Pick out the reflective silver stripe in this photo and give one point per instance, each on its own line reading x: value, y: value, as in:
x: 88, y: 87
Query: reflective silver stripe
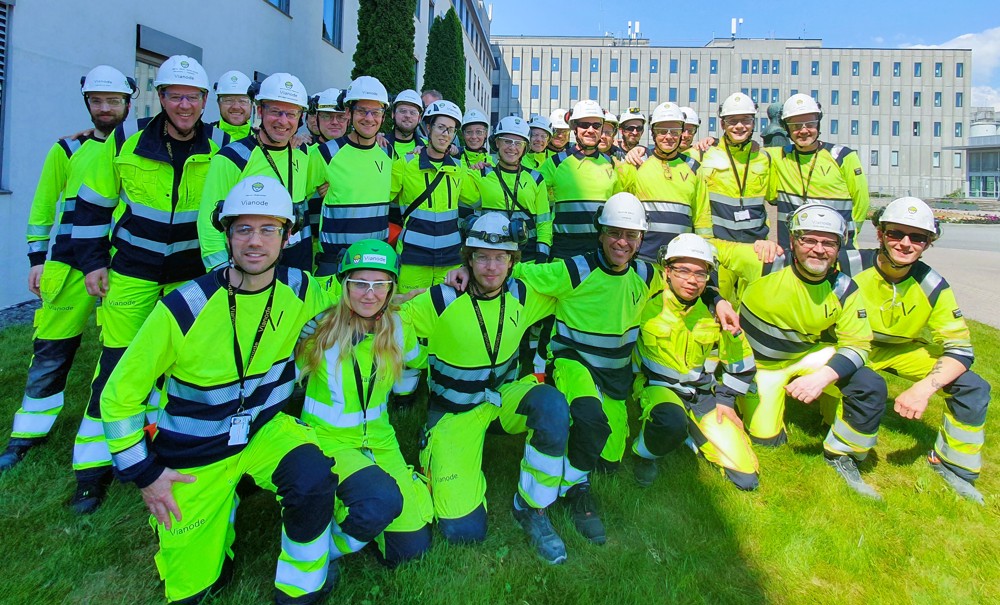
x: 219, y: 136
x: 90, y: 428
x: 213, y: 428
x: 343, y: 543
x: 889, y: 339
x: 42, y: 404
x: 313, y: 551
x: 544, y: 249
x: 65, y: 229
x: 91, y: 452
x: 33, y: 424
x: 662, y: 370
x: 581, y: 267
x: 737, y: 225
x: 854, y: 263
x: 92, y: 232
x: 156, y: 247
x: 457, y: 398
x: 448, y: 295
x: 744, y: 365
x: 349, y: 238
x: 856, y: 357
x: 39, y: 246
x: 960, y: 351
x: 376, y: 210
x: 841, y: 287
x: 668, y: 228
x: 563, y: 207
x: 194, y: 296
x: 336, y: 417
x: 434, y: 217
x: 774, y: 331
x: 240, y: 149
x: 973, y: 462
x: 39, y: 230
x: 215, y: 259
x: 224, y: 394
x: 118, y: 429
x: 429, y: 242
x: 567, y: 229
x: 307, y: 581
x: 640, y: 446
x: 973, y: 437
x: 594, y: 361
x: 163, y: 216
x: 67, y: 205
x: 73, y: 145
x: 735, y: 201
x: 92, y: 197
x: 571, y: 476
x: 131, y: 456
x: 735, y: 383
x: 930, y: 282
x: 672, y: 207
x: 857, y: 441
x: 601, y: 341
x: 544, y: 217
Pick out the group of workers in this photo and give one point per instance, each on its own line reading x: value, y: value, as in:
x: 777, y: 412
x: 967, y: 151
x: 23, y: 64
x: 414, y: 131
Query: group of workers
x: 535, y: 284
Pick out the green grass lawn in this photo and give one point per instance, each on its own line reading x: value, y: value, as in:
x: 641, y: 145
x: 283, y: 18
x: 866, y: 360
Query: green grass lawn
x: 803, y: 537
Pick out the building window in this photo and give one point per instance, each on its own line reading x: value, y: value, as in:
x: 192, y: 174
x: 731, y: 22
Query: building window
x: 653, y: 94
x: 281, y: 5
x: 764, y: 96
x: 555, y: 63
x: 855, y: 97
x: 515, y: 91
x: 876, y: 68
x: 692, y: 95
x: 916, y: 129
x: 895, y: 128
x: 694, y: 66
x: 574, y: 64
x: 795, y: 68
x: 876, y: 98
x: 633, y: 94
x: 897, y: 69
x: 430, y: 15
x: 416, y: 11
x: 793, y: 92
x: 593, y: 93
x: 333, y: 22
x: 536, y: 64
x: 854, y: 127
x: 916, y: 99
x: 875, y: 128
x: 938, y: 70
x: 856, y: 68
x: 835, y: 68
x: 763, y: 124
x: 614, y: 66
x: 495, y: 92
x: 937, y: 99
x: 958, y: 129
x: 960, y: 70
x: 745, y: 66
x: 713, y: 95
x: 894, y: 158
x: 918, y: 69
x: 873, y: 158
x: 633, y: 66
x: 754, y: 66
x: 712, y: 124
x: 554, y: 92
x: 515, y: 64
x: 534, y: 91
x: 812, y: 93
x: 713, y: 66
x: 654, y: 66
x: 895, y: 98
x: 834, y: 126
x: 574, y: 93
x: 936, y: 159
x: 957, y: 159
x: 937, y: 129
x: 959, y: 99
x: 814, y: 70
x: 612, y: 92
x: 672, y: 94
x: 774, y: 95
x: 673, y: 66
x: 753, y: 94
x: 775, y: 64
x: 765, y: 67
x: 595, y: 65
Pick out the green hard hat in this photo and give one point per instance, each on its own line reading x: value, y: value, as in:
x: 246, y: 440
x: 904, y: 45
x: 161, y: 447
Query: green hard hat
x: 369, y: 254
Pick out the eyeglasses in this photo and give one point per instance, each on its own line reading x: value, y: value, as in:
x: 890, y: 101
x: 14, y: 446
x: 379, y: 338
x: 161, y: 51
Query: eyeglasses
x: 363, y: 286
x: 245, y: 232
x: 895, y: 235
x: 484, y: 260
x: 691, y: 129
x: 812, y: 242
x: 230, y: 101
x: 734, y: 121
x: 632, y: 128
x: 112, y: 102
x: 589, y: 125
x: 274, y: 112
x: 442, y: 129
x: 626, y: 234
x: 176, y: 99
x: 474, y: 132
x: 608, y: 130
x: 368, y: 113
x: 801, y: 125
x: 328, y: 116
x: 686, y: 274
x: 507, y: 142
x: 659, y: 132
x: 408, y: 112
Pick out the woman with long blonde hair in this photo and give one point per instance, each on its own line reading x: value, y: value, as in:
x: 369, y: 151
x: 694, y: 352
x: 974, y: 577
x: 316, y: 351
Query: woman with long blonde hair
x: 350, y: 364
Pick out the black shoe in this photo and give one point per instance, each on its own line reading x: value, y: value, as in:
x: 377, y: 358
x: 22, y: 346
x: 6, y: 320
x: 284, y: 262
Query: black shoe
x: 15, y: 452
x: 606, y: 467
x: 90, y: 492
x: 585, y: 515
x: 645, y: 471
x: 535, y: 522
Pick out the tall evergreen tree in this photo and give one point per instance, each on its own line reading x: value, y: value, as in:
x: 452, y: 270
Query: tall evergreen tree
x: 444, y: 66
x: 385, y: 43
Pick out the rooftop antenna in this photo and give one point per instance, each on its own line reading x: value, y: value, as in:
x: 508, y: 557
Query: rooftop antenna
x: 735, y: 23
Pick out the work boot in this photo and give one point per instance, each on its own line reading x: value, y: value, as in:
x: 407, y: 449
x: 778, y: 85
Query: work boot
x: 17, y: 448
x: 645, y: 471
x: 91, y: 487
x: 960, y: 485
x: 848, y: 470
x: 332, y: 577
x: 535, y: 522
x: 606, y: 467
x: 585, y: 516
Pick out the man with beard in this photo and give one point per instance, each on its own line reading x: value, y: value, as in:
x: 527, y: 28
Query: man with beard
x: 609, y: 133
x: 58, y: 281
x: 158, y: 174
x: 281, y: 101
x: 234, y: 104
x: 541, y: 131
x: 632, y: 123
x: 407, y: 108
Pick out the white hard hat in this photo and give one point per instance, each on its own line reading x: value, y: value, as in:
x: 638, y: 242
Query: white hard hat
x: 558, y: 119
x: 105, y: 78
x: 283, y: 87
x: 610, y: 117
x: 737, y: 104
x: 513, y: 125
x: 409, y: 96
x: 474, y: 116
x: 329, y: 101
x: 632, y: 113
x: 691, y: 116
x: 624, y: 211
x: 912, y: 212
x: 586, y: 109
x: 443, y: 108
x: 818, y: 217
x: 540, y: 122
x: 666, y: 112
x: 366, y: 88
x: 260, y: 196
x: 181, y: 70
x: 232, y: 83
x: 800, y: 104
x: 688, y: 245
x: 492, y: 231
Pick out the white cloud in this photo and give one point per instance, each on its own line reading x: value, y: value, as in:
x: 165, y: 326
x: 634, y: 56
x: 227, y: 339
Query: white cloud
x: 878, y: 40
x: 985, y: 47
x: 986, y: 96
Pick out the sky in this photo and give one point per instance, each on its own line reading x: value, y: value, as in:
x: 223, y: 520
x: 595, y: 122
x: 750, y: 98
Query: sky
x: 844, y: 24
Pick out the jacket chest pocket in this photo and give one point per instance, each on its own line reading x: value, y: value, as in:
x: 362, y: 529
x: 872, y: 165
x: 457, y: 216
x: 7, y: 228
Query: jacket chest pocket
x: 145, y: 184
x: 701, y: 341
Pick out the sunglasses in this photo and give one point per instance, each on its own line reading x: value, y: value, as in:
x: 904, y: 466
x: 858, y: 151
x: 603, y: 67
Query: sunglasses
x: 589, y: 125
x: 896, y: 235
x: 632, y: 128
